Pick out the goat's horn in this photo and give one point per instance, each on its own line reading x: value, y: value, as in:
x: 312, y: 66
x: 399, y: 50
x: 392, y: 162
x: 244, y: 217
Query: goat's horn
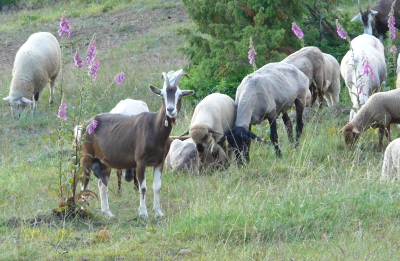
x: 178, y: 78
x: 359, y: 5
x: 165, y: 76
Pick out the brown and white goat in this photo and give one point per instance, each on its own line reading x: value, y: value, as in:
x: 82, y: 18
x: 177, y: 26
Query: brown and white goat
x: 132, y: 142
x: 377, y: 17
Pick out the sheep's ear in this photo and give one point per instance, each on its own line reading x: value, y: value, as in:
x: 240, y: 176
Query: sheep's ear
x: 254, y: 137
x: 187, y: 93
x: 214, y: 131
x: 154, y: 89
x: 26, y: 100
x: 7, y: 98
x: 185, y: 133
x: 356, y: 17
x: 355, y: 130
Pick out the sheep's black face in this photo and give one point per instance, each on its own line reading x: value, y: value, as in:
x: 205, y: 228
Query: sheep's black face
x: 239, y: 139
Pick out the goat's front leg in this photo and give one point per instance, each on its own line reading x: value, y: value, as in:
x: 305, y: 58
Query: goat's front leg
x: 103, y: 173
x: 157, y: 189
x: 140, y: 171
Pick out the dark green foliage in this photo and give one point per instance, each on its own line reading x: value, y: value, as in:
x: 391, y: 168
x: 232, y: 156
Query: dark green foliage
x: 219, y: 46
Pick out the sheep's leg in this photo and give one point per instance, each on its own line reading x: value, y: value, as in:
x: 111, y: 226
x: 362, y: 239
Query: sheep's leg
x: 381, y: 134
x: 387, y: 132
x: 299, y: 119
x: 52, y: 84
x: 140, y: 170
x: 119, y: 174
x: 314, y: 94
x: 288, y: 126
x: 36, y: 97
x: 157, y: 189
x: 274, y: 136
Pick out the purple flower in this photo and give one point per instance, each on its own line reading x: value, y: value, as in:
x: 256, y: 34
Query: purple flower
x: 367, y: 68
x: 119, y: 77
x: 251, y: 54
x: 391, y: 23
x: 64, y: 26
x: 340, y: 32
x: 393, y: 49
x: 62, y: 111
x: 92, y: 126
x: 78, y: 60
x: 297, y: 31
x: 91, y: 54
x: 93, y: 71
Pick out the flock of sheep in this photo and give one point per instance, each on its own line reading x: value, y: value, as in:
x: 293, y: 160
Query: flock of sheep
x: 130, y: 138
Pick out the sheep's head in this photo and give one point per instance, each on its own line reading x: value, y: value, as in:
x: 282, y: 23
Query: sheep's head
x: 171, y: 93
x: 240, y: 138
x: 17, y: 105
x: 350, y: 133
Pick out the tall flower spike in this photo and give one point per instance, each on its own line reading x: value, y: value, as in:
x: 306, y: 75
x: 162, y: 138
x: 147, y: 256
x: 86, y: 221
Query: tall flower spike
x: 62, y: 111
x: 340, y: 31
x: 64, y: 26
x: 93, y: 71
x: 78, y: 61
x: 119, y: 78
x: 393, y: 49
x: 91, y: 54
x: 297, y: 31
x: 392, y: 22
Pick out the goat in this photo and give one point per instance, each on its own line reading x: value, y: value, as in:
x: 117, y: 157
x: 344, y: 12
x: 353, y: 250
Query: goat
x: 132, y: 142
x: 377, y: 17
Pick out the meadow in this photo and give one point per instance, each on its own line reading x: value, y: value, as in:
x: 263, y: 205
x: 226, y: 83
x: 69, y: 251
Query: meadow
x: 321, y: 201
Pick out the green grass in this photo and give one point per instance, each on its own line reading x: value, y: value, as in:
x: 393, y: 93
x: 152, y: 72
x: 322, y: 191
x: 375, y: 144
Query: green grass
x: 321, y: 201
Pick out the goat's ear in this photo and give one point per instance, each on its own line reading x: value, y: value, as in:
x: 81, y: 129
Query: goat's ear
x: 154, y: 89
x: 187, y: 93
x: 7, y: 98
x: 356, y: 17
x: 26, y: 100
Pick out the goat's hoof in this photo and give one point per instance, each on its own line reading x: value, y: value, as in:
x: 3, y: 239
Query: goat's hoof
x: 108, y: 213
x: 143, y: 215
x: 159, y: 213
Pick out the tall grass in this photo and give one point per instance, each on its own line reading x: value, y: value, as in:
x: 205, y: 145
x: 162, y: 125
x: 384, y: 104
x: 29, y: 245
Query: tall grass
x: 321, y: 201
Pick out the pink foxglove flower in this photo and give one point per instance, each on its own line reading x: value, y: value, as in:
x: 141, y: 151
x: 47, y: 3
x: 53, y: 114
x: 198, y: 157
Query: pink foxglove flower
x: 297, y: 31
x: 367, y: 68
x: 91, y: 54
x: 119, y: 78
x: 391, y: 23
x: 340, y: 32
x: 393, y: 49
x: 64, y: 26
x: 62, y: 111
x: 251, y: 55
x: 92, y: 126
x: 93, y: 70
x: 78, y: 60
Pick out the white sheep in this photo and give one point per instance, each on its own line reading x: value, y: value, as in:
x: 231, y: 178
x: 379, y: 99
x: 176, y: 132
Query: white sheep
x: 310, y: 60
x: 265, y: 94
x: 212, y: 118
x: 367, y: 54
x: 380, y: 110
x: 331, y: 88
x: 36, y: 63
x: 182, y: 156
x: 391, y: 162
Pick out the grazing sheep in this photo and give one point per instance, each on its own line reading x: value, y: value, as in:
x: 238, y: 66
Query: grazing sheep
x: 381, y: 109
x: 331, y: 88
x: 264, y: 94
x: 212, y: 117
x: 36, y: 62
x: 367, y: 54
x: 391, y: 162
x: 182, y: 156
x: 132, y: 142
x: 310, y: 60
